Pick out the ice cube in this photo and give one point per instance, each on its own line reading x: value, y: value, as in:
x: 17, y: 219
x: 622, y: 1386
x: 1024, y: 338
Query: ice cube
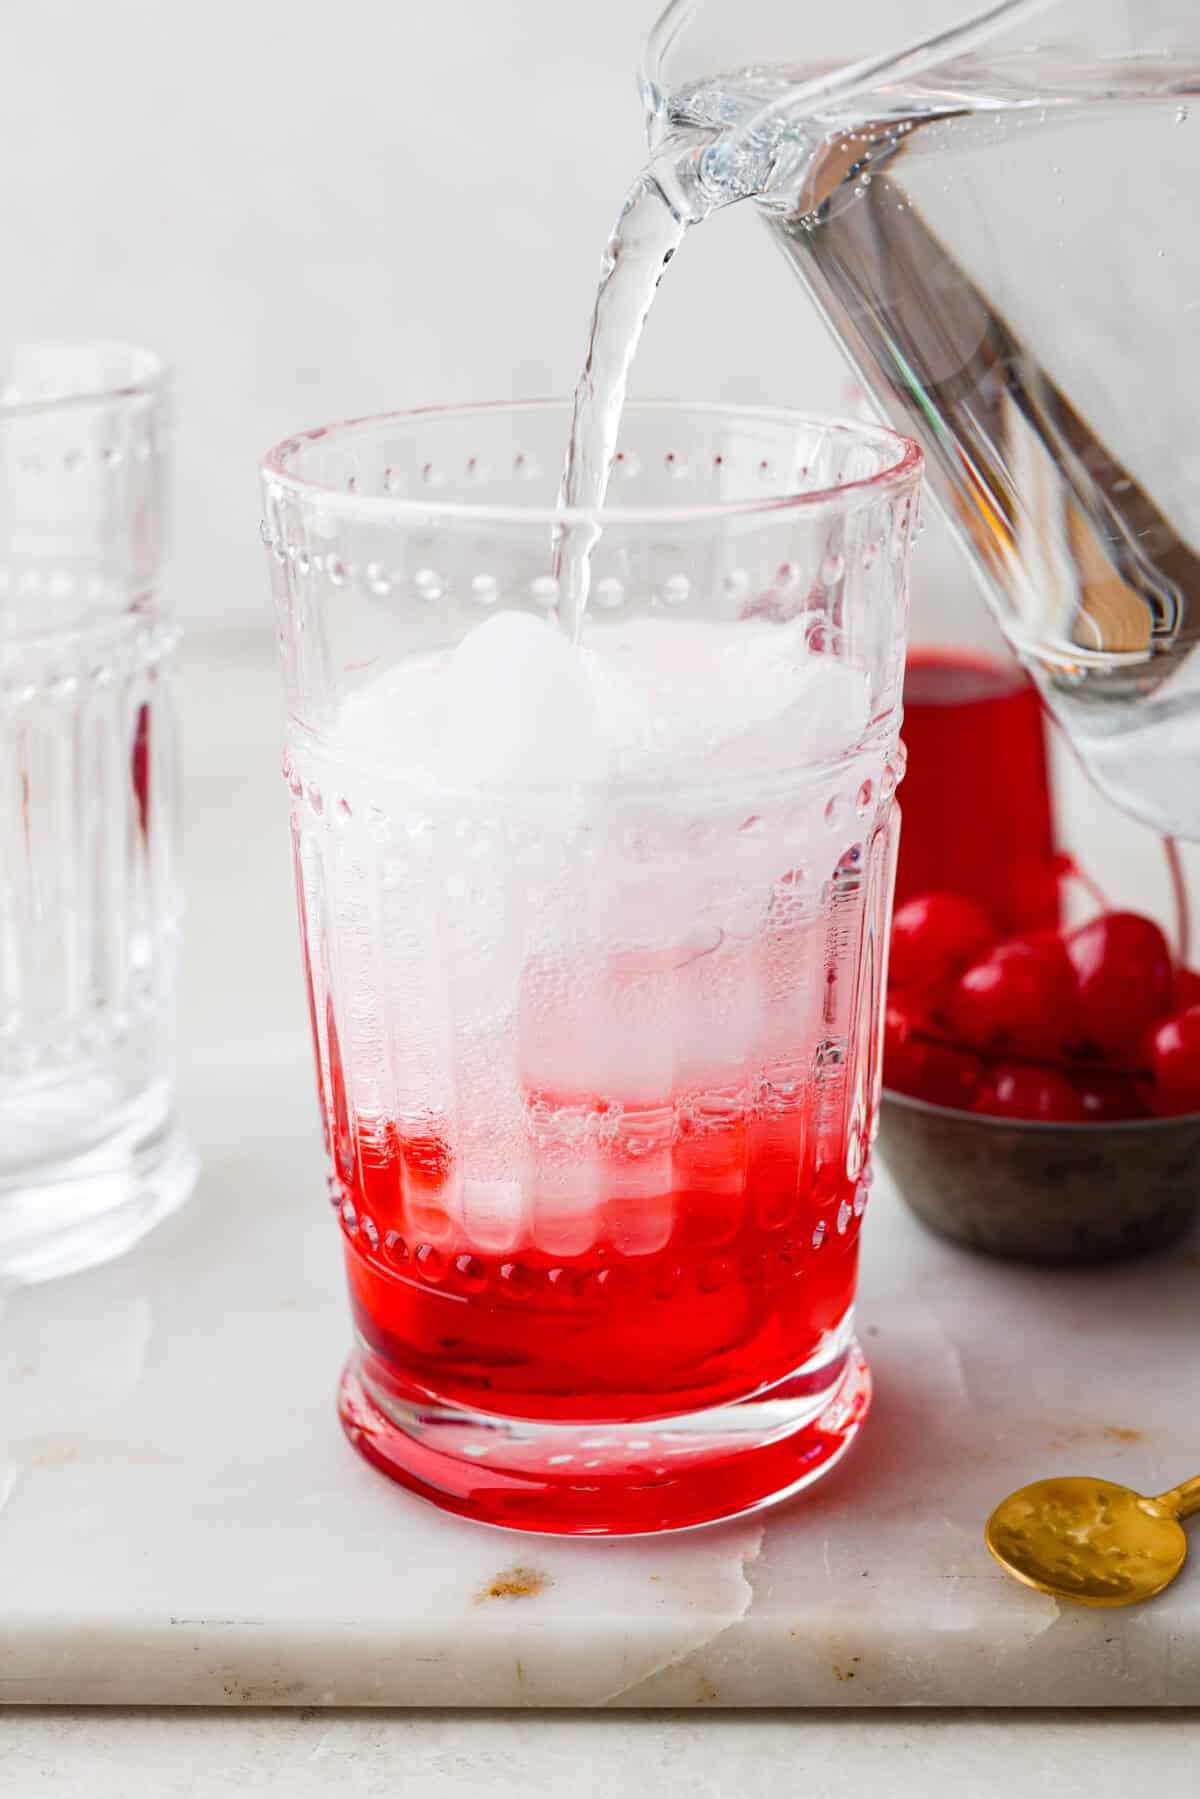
x: 396, y: 718
x: 516, y: 703
x: 494, y: 1215
x: 812, y: 704
x: 558, y: 998
x: 566, y: 1189
x: 664, y: 690
x: 671, y: 692
x: 639, y: 1206
x: 520, y: 708
x: 719, y: 1006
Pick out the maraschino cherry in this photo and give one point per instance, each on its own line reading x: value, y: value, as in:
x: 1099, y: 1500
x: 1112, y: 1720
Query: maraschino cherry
x: 1123, y: 979
x: 1026, y: 1092
x: 1175, y: 1062
x: 933, y: 936
x: 1093, y: 1024
x: 1019, y: 997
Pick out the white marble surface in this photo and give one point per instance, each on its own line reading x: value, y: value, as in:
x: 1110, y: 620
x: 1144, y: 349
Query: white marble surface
x: 181, y: 1522
x: 564, y: 1755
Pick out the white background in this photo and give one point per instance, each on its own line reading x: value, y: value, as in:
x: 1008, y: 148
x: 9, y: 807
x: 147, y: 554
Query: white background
x: 318, y: 209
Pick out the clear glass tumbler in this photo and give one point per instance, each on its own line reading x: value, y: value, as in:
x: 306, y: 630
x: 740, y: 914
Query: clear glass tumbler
x: 595, y: 928
x: 90, y: 1151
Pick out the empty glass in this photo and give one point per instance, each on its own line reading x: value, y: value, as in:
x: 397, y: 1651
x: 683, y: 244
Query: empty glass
x: 90, y: 1151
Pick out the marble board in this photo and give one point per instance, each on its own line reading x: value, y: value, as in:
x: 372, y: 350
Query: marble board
x: 181, y: 1521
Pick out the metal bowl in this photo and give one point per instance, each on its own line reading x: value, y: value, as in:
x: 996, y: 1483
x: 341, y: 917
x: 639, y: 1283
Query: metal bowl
x: 1044, y: 1192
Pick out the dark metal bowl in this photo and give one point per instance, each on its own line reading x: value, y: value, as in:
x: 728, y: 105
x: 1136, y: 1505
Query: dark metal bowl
x: 1044, y: 1192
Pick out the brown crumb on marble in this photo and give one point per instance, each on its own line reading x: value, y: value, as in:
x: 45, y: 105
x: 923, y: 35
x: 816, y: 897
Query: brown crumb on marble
x: 515, y: 1583
x: 841, y: 1673
x: 54, y: 1455
x: 1111, y: 1433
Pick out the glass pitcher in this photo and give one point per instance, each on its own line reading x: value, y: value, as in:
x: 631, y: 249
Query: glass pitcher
x: 996, y: 216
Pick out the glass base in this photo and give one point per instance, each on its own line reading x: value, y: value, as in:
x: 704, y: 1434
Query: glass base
x: 611, y: 1479
x: 59, y: 1217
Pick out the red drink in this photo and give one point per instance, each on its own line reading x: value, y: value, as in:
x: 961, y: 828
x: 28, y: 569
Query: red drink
x: 976, y: 799
x: 758, y: 1270
x: 754, y: 1281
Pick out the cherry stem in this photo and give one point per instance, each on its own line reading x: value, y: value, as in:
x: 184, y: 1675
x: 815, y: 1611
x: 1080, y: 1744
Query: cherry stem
x: 1183, y: 917
x: 1067, y: 866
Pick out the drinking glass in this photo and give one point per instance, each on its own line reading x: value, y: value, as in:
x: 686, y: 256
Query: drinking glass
x: 91, y: 1154
x: 595, y: 935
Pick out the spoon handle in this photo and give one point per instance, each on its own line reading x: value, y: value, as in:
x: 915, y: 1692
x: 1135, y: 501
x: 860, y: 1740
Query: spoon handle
x: 1183, y: 1500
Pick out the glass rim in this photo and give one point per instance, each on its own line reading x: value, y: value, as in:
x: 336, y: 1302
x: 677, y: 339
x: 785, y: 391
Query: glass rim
x: 847, y: 495
x: 147, y: 376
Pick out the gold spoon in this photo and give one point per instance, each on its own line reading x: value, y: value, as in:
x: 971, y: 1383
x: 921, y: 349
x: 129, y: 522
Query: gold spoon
x: 1091, y: 1540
